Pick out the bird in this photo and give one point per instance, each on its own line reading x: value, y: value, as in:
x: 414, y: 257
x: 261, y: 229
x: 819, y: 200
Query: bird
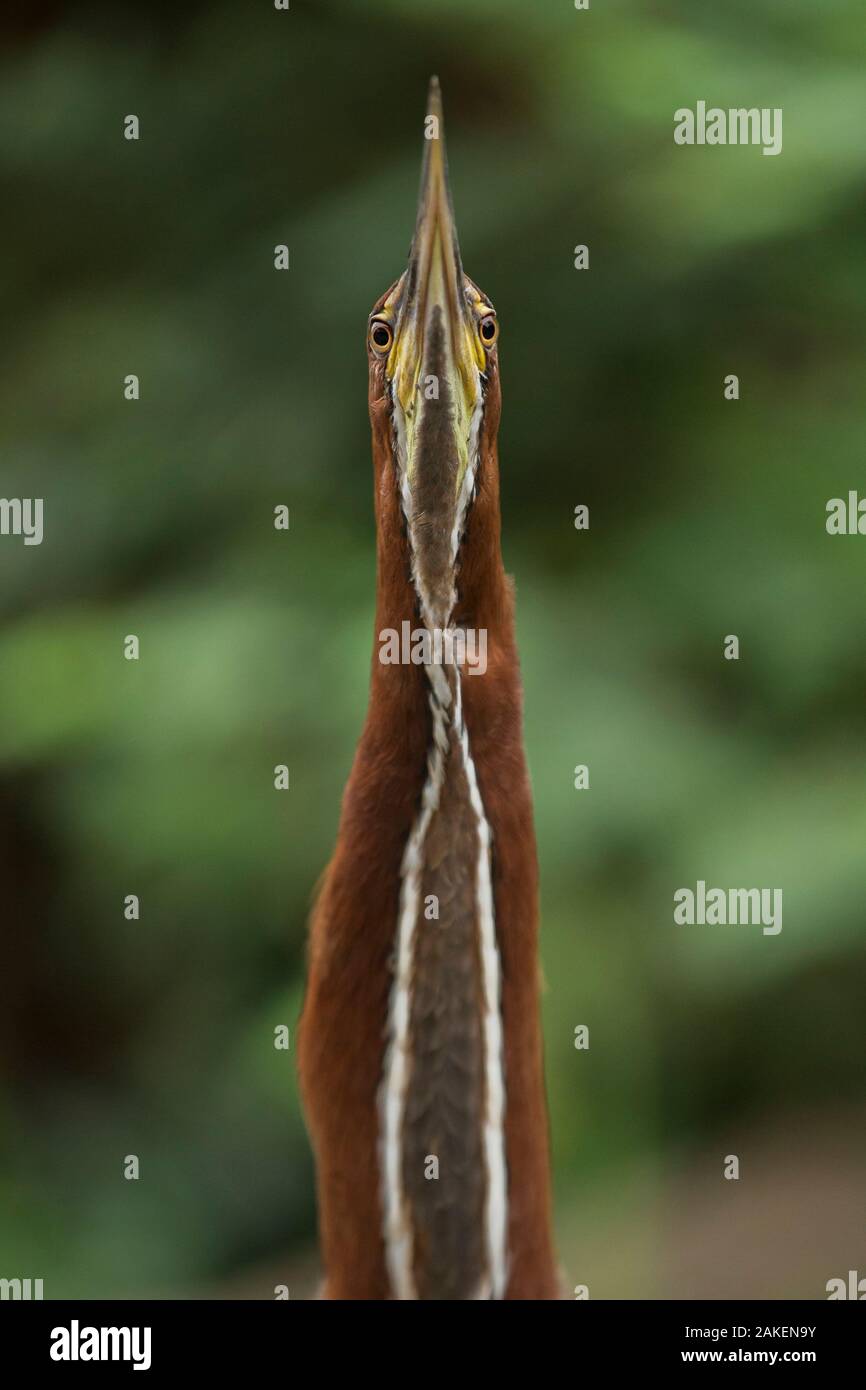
x: 419, y: 1045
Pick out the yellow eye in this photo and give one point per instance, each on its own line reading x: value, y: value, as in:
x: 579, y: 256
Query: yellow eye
x: 488, y: 330
x: 381, y: 336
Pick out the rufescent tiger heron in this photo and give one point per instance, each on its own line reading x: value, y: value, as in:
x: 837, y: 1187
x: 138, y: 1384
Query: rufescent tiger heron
x: 419, y: 1047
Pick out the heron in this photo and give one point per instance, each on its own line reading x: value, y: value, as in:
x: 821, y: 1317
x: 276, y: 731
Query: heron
x: 420, y: 1048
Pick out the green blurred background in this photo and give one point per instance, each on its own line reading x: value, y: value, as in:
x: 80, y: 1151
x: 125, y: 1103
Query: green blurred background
x: 707, y: 518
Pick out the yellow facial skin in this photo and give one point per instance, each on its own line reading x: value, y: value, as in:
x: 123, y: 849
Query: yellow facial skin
x: 465, y: 362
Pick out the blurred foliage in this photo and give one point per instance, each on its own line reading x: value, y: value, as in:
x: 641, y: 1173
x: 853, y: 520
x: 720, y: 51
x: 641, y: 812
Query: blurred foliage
x: 707, y: 518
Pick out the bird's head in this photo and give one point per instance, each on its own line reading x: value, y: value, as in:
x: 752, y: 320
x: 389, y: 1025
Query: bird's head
x: 432, y: 349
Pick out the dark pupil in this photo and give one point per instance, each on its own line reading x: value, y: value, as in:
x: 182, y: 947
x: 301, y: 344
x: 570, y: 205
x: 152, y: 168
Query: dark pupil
x: 380, y: 337
x: 487, y: 329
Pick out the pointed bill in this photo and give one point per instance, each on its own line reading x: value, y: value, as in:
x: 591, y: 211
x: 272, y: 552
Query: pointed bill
x: 436, y: 358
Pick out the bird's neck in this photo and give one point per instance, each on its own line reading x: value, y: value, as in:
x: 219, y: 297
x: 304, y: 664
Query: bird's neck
x: 424, y: 947
x: 447, y: 574
x: 443, y: 1091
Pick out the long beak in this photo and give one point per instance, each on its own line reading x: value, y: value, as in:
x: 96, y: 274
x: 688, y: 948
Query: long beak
x: 434, y: 278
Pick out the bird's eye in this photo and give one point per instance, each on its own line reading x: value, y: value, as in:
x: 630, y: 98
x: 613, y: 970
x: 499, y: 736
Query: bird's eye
x: 489, y: 330
x: 381, y: 336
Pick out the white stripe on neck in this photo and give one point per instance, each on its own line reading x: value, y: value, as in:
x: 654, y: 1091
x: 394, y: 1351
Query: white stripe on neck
x: 396, y: 1078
